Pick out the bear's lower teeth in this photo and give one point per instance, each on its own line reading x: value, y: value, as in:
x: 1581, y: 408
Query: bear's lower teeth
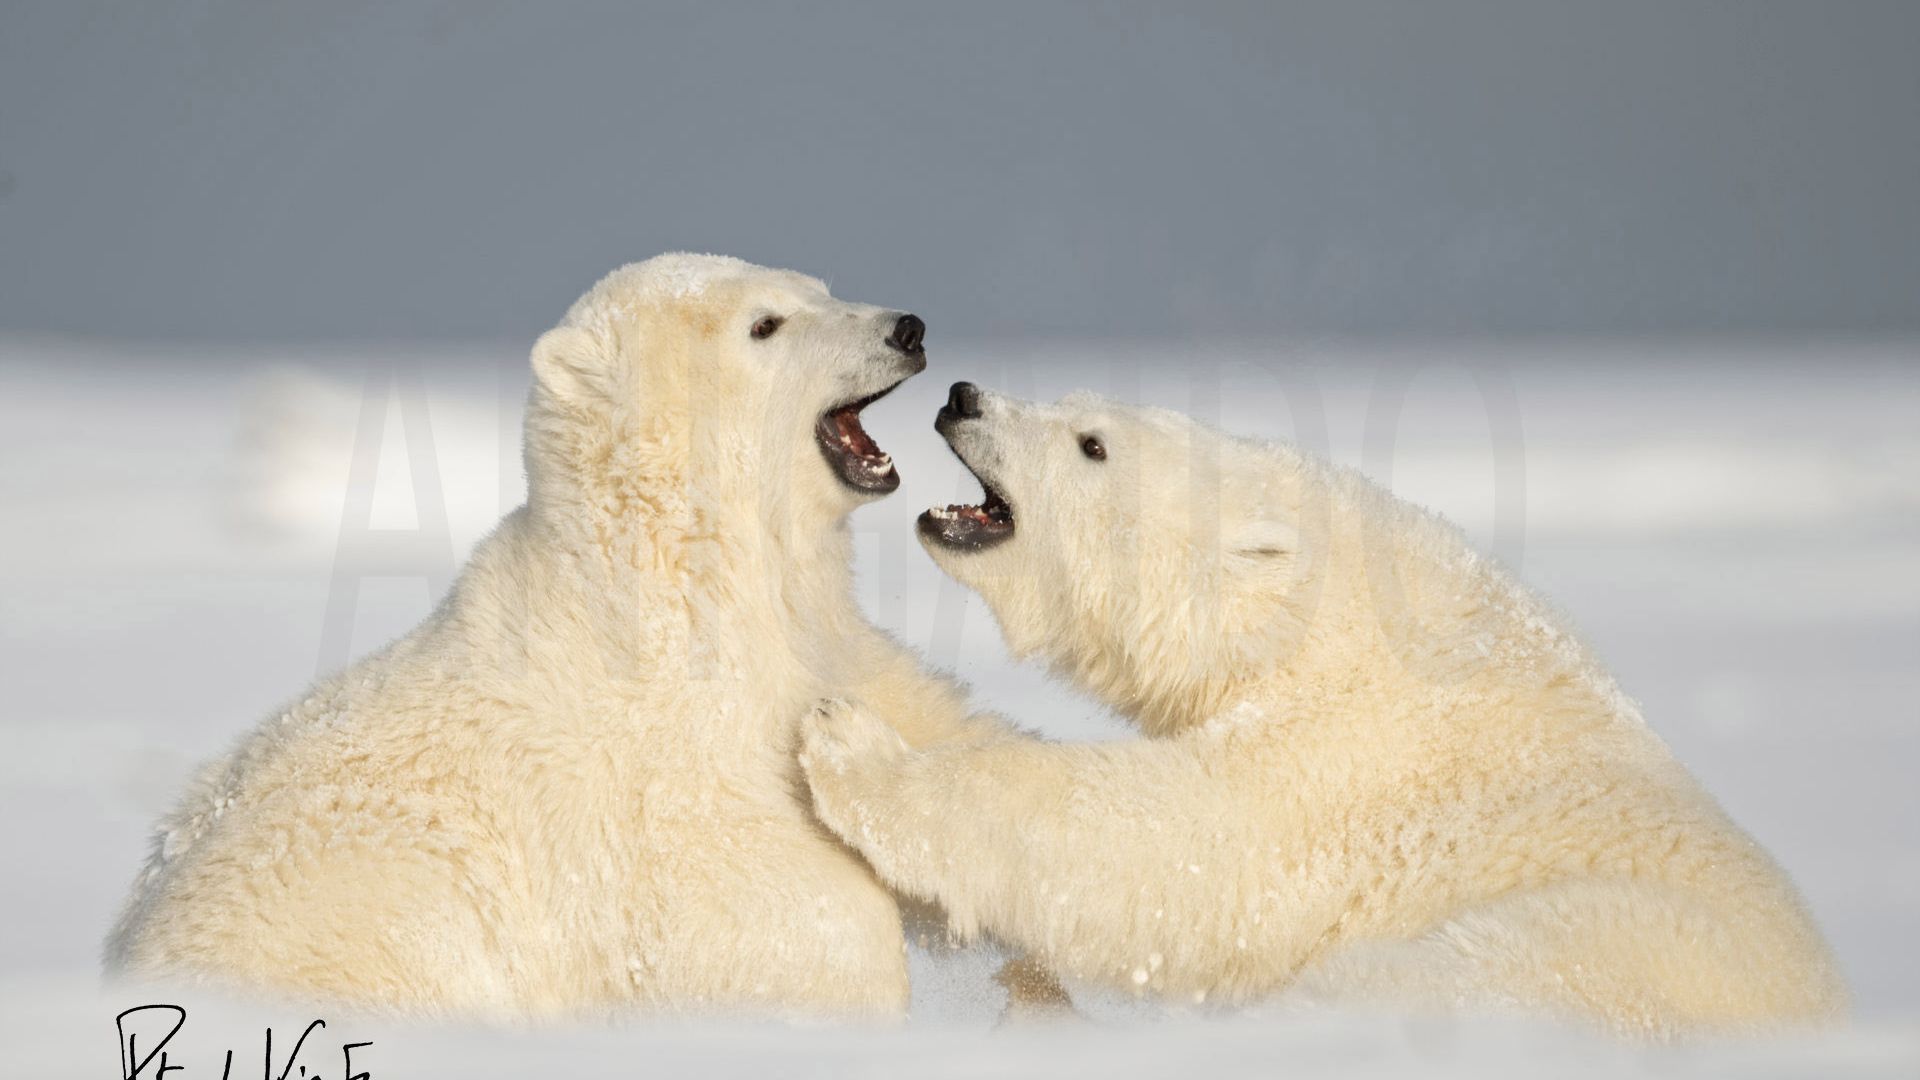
x: 877, y: 460
x: 983, y: 514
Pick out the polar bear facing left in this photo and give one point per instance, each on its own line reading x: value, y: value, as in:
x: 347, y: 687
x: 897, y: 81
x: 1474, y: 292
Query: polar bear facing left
x: 571, y: 789
x: 1378, y: 769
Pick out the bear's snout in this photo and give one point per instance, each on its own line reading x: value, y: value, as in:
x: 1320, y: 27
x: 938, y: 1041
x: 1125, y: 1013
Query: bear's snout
x: 908, y: 333
x: 963, y: 401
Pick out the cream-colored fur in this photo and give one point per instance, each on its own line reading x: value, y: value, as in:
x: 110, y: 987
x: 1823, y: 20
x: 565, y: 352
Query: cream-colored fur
x: 1377, y: 768
x: 572, y: 789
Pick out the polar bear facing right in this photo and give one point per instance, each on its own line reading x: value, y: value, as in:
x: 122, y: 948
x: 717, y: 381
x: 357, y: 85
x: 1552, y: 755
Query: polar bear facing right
x: 1377, y: 769
x: 571, y: 792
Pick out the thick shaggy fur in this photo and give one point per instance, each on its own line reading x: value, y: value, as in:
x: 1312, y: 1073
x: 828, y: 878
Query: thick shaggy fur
x: 1377, y: 767
x: 572, y: 789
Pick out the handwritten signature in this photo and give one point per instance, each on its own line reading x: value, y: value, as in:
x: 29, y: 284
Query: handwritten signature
x: 138, y: 1025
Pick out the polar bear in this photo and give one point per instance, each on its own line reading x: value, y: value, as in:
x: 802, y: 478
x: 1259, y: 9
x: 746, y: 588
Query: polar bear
x: 573, y: 789
x: 1377, y: 769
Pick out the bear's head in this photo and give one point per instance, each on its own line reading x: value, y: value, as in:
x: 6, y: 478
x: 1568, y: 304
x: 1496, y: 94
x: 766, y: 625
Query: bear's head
x: 702, y: 395
x: 1151, y: 558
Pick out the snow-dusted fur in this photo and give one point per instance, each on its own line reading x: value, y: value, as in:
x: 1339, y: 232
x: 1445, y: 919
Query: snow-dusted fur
x: 1377, y: 767
x: 572, y: 789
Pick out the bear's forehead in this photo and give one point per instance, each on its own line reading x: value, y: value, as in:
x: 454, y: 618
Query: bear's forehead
x: 682, y: 274
x: 1138, y: 420
x: 676, y: 277
x: 1169, y: 436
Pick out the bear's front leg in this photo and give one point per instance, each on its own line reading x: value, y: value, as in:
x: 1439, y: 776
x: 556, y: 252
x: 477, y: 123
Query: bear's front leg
x: 1132, y: 863
x: 925, y: 708
x: 851, y: 760
x: 876, y: 793
x: 854, y: 762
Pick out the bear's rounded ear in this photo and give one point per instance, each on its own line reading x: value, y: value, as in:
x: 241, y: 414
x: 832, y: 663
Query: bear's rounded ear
x: 1257, y: 619
x: 569, y: 364
x: 1263, y: 540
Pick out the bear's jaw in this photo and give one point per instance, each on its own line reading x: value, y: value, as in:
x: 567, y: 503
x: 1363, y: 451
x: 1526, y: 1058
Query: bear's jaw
x: 970, y: 527
x: 964, y: 527
x: 852, y: 454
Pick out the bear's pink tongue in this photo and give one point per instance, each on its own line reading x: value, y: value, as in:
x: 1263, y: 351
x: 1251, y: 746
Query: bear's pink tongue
x: 848, y: 432
x: 851, y: 452
x: 957, y: 525
x: 992, y: 511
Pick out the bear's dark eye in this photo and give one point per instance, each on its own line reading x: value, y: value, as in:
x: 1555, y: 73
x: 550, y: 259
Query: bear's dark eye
x: 764, y: 329
x: 1090, y: 446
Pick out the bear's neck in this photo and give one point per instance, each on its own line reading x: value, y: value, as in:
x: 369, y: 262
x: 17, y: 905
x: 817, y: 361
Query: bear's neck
x: 721, y: 592
x: 1417, y: 628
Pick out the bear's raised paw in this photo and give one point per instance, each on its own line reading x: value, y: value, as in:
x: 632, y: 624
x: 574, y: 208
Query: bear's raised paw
x: 838, y: 736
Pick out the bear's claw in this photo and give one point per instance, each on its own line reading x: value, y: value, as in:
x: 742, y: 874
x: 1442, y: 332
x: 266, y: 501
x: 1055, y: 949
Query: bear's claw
x: 838, y: 736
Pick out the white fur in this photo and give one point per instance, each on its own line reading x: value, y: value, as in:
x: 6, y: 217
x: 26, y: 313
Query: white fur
x: 572, y: 789
x: 1378, y: 768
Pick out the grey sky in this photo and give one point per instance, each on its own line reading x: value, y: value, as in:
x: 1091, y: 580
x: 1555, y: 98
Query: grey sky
x: 408, y: 171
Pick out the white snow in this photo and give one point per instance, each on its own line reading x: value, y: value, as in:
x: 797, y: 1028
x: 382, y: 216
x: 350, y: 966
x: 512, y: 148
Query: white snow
x: 1736, y: 528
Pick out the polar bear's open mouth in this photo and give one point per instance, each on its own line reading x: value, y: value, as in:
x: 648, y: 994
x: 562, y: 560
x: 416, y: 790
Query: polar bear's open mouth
x: 970, y: 528
x: 856, y: 459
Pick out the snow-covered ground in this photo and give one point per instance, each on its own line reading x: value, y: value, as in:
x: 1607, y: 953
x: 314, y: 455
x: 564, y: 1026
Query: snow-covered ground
x: 1736, y: 528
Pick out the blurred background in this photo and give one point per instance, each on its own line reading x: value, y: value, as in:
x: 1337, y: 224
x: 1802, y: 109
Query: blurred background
x: 1631, y: 289
x: 228, y: 171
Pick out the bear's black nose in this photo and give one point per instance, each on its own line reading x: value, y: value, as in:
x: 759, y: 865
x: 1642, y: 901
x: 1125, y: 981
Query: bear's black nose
x: 963, y: 401
x: 908, y: 332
